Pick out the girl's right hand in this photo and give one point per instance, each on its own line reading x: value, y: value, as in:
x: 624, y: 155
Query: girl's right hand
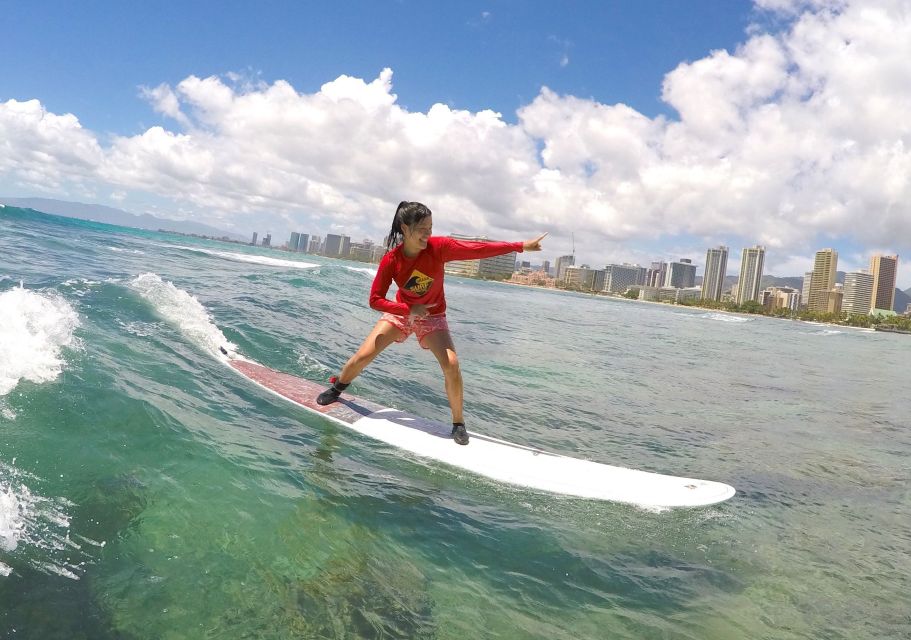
x: 420, y: 311
x: 533, y: 245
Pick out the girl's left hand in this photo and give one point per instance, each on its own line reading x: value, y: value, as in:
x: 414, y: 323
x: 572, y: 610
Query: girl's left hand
x: 533, y: 245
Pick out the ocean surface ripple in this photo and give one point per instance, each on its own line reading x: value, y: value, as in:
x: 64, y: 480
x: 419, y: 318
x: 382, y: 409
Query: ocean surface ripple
x: 146, y: 491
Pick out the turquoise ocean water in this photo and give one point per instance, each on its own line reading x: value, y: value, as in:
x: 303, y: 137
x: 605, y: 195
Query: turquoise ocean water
x: 147, y: 491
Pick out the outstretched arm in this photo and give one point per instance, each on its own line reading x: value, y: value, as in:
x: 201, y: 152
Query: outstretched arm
x: 454, y: 249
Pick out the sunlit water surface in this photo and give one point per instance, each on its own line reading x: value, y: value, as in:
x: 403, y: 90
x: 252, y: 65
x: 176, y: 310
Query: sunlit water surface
x: 147, y: 491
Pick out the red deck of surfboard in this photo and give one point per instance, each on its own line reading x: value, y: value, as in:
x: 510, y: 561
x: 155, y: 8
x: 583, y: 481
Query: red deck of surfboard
x: 304, y: 392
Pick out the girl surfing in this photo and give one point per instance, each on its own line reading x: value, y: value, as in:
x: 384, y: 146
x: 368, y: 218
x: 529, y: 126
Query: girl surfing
x: 415, y: 259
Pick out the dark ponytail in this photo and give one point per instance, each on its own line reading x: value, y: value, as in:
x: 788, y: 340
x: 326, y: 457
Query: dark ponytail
x: 409, y: 213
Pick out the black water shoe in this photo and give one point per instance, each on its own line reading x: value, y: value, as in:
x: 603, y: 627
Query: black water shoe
x: 331, y: 394
x: 459, y: 434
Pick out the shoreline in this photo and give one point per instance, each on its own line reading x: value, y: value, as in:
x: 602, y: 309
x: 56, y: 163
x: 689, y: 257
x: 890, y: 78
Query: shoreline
x: 688, y: 306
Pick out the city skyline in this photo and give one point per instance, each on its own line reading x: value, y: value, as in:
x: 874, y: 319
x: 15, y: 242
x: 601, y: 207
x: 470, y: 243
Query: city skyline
x: 719, y: 254
x: 675, y: 281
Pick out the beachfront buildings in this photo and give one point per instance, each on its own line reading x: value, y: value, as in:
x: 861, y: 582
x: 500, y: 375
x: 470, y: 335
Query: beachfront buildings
x: 823, y: 280
x: 655, y: 274
x: 680, y: 274
x: 805, y: 290
x: 835, y: 298
x: 716, y: 265
x: 857, y: 292
x: 498, y: 267
x: 561, y: 264
x: 337, y: 246
x: 751, y: 263
x: 366, y: 251
x: 583, y: 278
x: 884, y: 270
x: 299, y: 242
x: 773, y: 298
x: 669, y: 294
x: 620, y: 277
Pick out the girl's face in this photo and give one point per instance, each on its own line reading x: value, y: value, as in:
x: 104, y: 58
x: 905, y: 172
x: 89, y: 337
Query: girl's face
x: 417, y: 235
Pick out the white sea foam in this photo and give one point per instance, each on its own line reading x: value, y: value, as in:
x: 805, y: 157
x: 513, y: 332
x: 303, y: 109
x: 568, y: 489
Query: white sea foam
x: 367, y: 270
x: 34, y: 329
x: 6, y: 412
x: 79, y: 287
x: 252, y: 258
x: 182, y: 310
x: 139, y: 329
x: 37, y: 527
x: 724, y: 317
x: 122, y: 250
x: 11, y: 522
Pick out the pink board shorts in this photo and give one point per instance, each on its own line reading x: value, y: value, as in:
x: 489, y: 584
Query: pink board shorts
x: 420, y: 327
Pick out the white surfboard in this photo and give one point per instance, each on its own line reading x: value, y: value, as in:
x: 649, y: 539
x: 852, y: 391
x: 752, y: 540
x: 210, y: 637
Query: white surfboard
x: 496, y: 459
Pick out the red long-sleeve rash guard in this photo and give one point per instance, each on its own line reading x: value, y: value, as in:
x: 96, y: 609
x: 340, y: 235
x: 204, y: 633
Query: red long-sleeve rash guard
x: 420, y: 279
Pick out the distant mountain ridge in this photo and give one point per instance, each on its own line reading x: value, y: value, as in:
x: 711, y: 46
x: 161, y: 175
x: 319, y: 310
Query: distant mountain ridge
x: 110, y: 215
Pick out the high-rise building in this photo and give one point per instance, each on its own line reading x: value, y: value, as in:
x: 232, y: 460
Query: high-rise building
x: 562, y: 263
x: 583, y: 278
x: 751, y: 262
x: 822, y: 280
x: 267, y: 240
x: 545, y: 267
x: 620, y: 277
x: 363, y: 251
x: 884, y: 270
x: 656, y: 274
x: 716, y: 266
x: 805, y: 289
x: 298, y: 242
x: 316, y: 245
x: 835, y: 298
x: 680, y: 274
x: 857, y: 293
x: 255, y: 234
x: 498, y: 267
x: 337, y: 246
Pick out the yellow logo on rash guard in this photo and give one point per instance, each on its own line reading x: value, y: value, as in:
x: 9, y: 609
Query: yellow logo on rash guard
x: 418, y: 283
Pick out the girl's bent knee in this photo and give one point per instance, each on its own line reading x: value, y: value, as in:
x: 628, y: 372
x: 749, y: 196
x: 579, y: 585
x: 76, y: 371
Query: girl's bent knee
x: 451, y: 365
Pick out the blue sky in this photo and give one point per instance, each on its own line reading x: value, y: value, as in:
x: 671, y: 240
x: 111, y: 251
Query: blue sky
x: 90, y: 58
x: 647, y: 130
